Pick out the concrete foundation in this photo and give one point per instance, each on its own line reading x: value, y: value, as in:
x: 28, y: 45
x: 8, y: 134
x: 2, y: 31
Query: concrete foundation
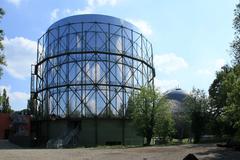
x: 91, y: 132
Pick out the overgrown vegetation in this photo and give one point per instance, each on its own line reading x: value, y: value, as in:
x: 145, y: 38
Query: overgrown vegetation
x: 4, y: 102
x: 217, y: 114
x: 196, y: 111
x: 2, y: 56
x: 151, y: 114
x: 224, y: 92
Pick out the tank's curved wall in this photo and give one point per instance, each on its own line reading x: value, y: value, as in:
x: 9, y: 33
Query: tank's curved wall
x: 88, y: 65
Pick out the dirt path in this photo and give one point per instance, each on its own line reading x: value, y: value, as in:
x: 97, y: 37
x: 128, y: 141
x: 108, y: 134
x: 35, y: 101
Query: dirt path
x: 203, y: 152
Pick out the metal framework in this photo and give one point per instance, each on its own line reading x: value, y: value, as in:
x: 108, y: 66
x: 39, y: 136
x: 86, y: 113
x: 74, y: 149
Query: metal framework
x: 89, y: 69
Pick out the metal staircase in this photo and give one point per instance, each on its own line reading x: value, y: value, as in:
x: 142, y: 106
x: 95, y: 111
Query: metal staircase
x: 68, y: 139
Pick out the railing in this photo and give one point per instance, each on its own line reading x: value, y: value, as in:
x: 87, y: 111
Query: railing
x: 64, y: 140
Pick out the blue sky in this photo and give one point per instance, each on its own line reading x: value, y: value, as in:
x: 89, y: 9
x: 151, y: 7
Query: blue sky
x: 190, y: 38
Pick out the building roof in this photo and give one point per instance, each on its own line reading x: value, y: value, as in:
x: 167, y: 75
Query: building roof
x: 176, y: 94
x: 93, y: 18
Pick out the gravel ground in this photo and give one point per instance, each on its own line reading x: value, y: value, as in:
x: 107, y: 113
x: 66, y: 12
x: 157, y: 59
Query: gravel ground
x: 203, y: 152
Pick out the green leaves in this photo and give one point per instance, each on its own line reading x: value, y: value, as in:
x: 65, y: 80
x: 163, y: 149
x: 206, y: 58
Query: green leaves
x: 197, y: 111
x: 2, y: 56
x: 164, y: 126
x: 2, y: 12
x: 6, y: 108
x: 151, y: 113
x: 218, y: 91
x: 236, y: 42
x: 224, y: 94
x: 232, y: 107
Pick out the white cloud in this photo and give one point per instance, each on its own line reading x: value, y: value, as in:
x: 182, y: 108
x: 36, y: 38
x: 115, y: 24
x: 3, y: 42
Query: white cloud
x: 16, y: 98
x: 57, y: 13
x: 90, y: 8
x: 54, y: 14
x: 95, y: 3
x: 142, y: 25
x: 168, y: 63
x: 165, y: 85
x: 15, y: 2
x: 219, y: 63
x: 20, y: 54
x: 210, y: 70
x: 206, y: 72
x: 69, y: 12
x: 19, y: 96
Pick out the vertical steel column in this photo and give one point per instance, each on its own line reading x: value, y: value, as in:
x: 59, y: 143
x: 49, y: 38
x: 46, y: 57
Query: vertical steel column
x: 82, y: 38
x: 46, y: 92
x: 36, y: 72
x: 132, y: 68
x: 95, y: 84
x: 85, y: 67
x: 123, y: 88
x: 96, y: 61
x: 47, y: 82
x: 153, y: 71
x: 142, y: 57
x: 68, y: 87
x: 58, y: 39
x: 109, y: 72
x: 42, y: 80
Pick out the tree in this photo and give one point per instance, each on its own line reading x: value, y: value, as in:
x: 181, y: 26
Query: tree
x: 218, y: 91
x: 164, y: 126
x: 182, y: 123
x: 2, y: 56
x: 31, y: 105
x: 236, y: 42
x: 232, y: 109
x: 6, y: 108
x: 196, y: 107
x: 150, y: 114
x: 224, y: 92
x: 130, y: 106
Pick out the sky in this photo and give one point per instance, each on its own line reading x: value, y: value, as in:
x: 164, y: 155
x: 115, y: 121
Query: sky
x: 190, y: 38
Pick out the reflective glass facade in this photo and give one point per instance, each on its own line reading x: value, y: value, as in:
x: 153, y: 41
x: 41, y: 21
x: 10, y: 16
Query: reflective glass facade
x: 88, y: 65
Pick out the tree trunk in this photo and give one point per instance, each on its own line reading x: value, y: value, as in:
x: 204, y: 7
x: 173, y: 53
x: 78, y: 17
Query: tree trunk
x: 149, y: 136
x: 148, y: 140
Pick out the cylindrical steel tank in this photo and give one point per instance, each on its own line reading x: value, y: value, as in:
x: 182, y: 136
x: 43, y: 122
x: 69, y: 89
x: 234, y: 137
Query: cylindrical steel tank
x: 88, y: 65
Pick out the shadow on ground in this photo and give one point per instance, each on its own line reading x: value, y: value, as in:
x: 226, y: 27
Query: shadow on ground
x: 219, y: 154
